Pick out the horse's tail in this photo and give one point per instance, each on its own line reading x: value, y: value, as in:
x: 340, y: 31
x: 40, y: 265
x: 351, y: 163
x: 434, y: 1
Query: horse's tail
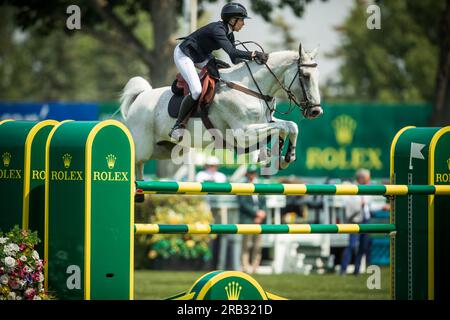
x: 134, y: 86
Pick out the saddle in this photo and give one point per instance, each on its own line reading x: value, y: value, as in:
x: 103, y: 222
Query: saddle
x: 209, y: 76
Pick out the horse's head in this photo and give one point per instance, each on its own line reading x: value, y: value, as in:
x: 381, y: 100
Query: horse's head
x: 302, y: 79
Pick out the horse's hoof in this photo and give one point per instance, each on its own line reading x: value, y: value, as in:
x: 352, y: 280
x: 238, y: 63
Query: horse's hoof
x: 264, y: 162
x: 289, y: 158
x: 283, y: 163
x: 176, y: 140
x: 139, y: 197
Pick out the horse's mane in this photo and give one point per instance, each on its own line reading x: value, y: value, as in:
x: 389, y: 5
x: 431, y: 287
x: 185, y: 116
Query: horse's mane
x: 276, y: 58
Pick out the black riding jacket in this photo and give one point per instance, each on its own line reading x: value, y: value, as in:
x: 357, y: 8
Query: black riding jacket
x: 199, y: 44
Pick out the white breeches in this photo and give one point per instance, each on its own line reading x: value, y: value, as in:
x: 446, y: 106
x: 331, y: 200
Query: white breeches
x: 188, y: 70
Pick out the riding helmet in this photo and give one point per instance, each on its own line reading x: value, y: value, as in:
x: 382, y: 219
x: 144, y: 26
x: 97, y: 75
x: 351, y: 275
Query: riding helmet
x: 233, y: 9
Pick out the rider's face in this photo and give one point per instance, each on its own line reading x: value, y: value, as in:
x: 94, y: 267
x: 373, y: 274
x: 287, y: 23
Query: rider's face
x: 239, y: 24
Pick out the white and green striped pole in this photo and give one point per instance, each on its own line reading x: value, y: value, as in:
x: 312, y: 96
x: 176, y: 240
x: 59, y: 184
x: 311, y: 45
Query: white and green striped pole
x: 261, y: 228
x: 172, y: 187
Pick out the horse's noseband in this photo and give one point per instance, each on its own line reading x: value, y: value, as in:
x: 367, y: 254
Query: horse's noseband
x: 305, y: 104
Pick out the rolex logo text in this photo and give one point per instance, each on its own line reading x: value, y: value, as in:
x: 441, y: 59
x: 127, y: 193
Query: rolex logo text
x: 108, y: 175
x: 443, y: 176
x: 345, y: 156
x: 10, y: 174
x: 38, y: 175
x: 67, y: 175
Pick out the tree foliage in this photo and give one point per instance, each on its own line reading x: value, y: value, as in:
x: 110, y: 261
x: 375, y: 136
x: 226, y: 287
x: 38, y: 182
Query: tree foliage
x: 118, y: 39
x: 396, y: 63
x: 34, y: 67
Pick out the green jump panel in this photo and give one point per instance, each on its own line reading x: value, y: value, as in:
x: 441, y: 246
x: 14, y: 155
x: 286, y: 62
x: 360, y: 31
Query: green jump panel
x: 12, y: 151
x: 90, y: 211
x: 22, y: 175
x: 419, y: 253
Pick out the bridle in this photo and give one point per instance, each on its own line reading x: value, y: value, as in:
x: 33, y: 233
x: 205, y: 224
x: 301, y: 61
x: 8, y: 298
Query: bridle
x: 304, y: 104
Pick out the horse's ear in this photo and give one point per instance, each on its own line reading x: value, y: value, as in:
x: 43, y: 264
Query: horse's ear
x: 301, y: 52
x: 313, y: 53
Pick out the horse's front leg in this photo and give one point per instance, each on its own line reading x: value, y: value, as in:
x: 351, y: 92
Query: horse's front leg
x: 276, y: 130
x: 292, y: 130
x: 290, y: 152
x: 139, y: 171
x: 264, y: 155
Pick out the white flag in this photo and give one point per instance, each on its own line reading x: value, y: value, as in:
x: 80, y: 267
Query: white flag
x: 416, y: 152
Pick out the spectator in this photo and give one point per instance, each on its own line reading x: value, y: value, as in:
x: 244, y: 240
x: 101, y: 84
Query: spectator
x: 297, y: 207
x: 252, y: 210
x: 210, y: 172
x: 358, y: 210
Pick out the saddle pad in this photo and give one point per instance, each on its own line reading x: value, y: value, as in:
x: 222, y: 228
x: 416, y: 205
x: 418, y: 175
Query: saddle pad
x: 174, y: 107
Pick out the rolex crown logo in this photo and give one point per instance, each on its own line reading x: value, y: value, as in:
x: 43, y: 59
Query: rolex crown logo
x: 344, y: 128
x: 233, y: 290
x: 67, y: 158
x: 6, y: 159
x: 448, y: 163
x: 111, y: 160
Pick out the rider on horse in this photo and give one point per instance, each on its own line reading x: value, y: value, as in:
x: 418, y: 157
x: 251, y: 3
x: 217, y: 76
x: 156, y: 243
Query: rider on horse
x: 195, y: 51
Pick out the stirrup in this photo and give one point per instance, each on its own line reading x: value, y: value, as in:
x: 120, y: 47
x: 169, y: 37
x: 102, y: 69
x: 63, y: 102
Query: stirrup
x: 176, y: 134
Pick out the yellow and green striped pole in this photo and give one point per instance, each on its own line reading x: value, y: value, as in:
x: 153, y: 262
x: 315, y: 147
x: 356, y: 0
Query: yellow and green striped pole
x: 261, y: 228
x: 172, y: 187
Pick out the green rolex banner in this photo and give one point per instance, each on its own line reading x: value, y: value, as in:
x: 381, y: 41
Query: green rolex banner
x: 348, y: 137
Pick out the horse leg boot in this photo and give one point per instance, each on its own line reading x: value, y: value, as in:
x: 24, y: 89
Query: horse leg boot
x: 186, y: 106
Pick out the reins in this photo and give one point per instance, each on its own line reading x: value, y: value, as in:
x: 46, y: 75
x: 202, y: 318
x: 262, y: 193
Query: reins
x: 305, y: 104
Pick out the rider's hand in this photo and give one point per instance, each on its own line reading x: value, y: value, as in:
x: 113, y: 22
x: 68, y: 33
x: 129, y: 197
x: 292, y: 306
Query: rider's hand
x: 261, y: 57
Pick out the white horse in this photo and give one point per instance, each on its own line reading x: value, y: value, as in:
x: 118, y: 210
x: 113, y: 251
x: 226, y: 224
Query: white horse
x: 145, y: 111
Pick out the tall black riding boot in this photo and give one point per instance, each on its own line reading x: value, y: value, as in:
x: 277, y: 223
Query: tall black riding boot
x: 186, y: 106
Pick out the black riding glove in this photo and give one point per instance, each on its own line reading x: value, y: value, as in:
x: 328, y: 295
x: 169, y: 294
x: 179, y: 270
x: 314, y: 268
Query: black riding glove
x: 261, y: 57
